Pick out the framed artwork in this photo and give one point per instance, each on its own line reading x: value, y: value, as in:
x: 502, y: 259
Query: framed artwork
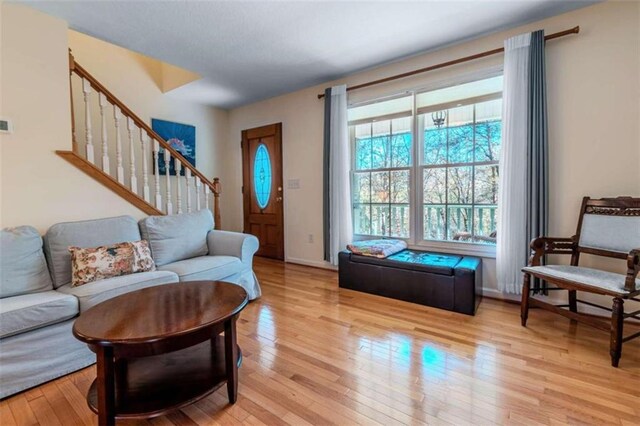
x: 181, y: 137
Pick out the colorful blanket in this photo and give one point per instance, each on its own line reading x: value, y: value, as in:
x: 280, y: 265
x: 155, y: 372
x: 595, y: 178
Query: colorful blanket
x: 377, y: 248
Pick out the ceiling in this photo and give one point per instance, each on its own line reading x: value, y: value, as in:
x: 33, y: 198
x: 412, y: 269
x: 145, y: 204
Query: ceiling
x: 248, y: 51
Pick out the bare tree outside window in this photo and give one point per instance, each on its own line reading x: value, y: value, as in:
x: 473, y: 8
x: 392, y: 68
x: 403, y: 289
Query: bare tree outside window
x: 457, y: 173
x: 460, y: 174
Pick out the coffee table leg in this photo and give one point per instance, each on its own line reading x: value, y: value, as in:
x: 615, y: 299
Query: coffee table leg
x: 231, y: 358
x: 106, y: 386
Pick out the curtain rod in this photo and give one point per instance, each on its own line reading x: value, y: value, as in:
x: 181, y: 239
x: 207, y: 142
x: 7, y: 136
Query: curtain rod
x: 574, y: 30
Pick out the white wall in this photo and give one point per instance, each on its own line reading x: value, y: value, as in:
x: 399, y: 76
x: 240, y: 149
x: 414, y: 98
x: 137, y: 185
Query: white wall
x: 594, y: 109
x: 38, y: 187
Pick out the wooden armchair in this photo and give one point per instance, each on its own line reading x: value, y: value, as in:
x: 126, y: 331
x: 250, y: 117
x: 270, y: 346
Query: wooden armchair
x: 607, y: 227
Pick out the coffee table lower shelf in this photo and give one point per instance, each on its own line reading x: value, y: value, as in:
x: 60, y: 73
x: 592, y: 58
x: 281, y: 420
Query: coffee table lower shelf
x: 153, y: 386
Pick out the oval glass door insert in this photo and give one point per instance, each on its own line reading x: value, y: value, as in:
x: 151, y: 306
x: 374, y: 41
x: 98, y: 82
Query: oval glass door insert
x: 262, y: 176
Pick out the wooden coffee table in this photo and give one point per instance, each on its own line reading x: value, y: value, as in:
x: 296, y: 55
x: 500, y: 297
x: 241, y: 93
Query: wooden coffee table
x: 159, y: 349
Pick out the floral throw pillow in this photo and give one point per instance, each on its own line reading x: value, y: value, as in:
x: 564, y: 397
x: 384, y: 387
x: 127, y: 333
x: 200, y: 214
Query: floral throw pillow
x: 142, y: 260
x: 98, y: 263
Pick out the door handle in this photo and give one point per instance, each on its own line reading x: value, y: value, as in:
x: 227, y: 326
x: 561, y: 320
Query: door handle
x: 278, y: 199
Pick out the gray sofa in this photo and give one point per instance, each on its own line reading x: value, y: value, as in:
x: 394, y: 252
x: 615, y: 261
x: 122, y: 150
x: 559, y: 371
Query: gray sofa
x: 38, y: 305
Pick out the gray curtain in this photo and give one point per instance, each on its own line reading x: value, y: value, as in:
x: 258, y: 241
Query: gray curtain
x: 326, y: 178
x: 537, y: 143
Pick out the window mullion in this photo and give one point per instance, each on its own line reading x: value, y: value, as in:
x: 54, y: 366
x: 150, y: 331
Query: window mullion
x: 446, y: 185
x: 473, y: 178
x: 416, y: 214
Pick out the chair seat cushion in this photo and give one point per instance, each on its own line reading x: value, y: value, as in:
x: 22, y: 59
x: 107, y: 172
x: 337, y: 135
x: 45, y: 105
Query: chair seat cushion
x: 580, y: 275
x: 19, y: 314
x: 98, y: 291
x: 204, y: 268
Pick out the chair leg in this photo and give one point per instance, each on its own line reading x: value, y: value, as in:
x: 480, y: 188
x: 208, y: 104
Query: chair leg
x: 573, y: 301
x: 524, y: 305
x: 617, y: 319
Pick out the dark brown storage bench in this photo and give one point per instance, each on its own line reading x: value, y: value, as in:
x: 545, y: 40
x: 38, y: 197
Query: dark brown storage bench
x: 445, y: 281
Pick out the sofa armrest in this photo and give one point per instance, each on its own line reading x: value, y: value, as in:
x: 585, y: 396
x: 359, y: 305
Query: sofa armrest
x: 633, y: 267
x: 550, y: 245
x: 224, y: 243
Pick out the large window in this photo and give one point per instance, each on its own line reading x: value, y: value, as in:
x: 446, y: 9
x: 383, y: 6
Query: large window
x: 441, y: 185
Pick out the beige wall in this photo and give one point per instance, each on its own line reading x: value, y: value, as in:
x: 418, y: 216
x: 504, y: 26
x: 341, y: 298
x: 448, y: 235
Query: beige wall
x: 38, y: 187
x: 594, y: 109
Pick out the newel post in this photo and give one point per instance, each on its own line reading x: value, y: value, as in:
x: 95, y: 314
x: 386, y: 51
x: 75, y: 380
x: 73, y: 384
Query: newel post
x: 216, y: 202
x: 72, y: 66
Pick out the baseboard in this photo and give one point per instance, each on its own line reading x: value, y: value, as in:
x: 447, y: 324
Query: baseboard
x: 312, y: 263
x: 496, y: 294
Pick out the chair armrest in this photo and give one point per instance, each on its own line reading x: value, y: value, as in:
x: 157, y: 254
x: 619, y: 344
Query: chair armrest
x: 551, y: 245
x: 633, y: 267
x: 224, y: 243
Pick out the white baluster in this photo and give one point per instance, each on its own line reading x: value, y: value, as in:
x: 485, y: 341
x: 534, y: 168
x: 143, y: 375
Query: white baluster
x: 144, y: 137
x: 105, y: 150
x: 156, y: 169
x: 86, y: 89
x: 207, y: 190
x: 167, y: 167
x: 198, y: 184
x: 119, y: 170
x: 187, y: 174
x: 132, y: 158
x: 179, y: 185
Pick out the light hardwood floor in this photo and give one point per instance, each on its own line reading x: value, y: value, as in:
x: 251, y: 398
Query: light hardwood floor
x: 315, y: 354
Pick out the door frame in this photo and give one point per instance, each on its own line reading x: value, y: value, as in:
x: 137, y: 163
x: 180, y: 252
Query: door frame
x: 274, y: 129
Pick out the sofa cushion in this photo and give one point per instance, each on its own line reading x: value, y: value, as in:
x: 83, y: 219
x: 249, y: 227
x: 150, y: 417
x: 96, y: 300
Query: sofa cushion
x: 581, y: 275
x: 87, y: 233
x: 204, y: 268
x: 177, y: 237
x: 19, y: 314
x: 93, y: 293
x: 22, y: 266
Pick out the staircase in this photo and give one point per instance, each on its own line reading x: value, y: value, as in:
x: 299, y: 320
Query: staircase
x: 118, y: 151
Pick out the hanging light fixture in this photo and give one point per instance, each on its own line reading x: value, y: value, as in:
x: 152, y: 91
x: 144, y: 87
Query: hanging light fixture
x: 439, y: 118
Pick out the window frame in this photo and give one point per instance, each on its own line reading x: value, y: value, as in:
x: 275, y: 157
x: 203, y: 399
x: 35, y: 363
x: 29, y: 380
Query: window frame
x: 416, y: 201
x: 355, y: 170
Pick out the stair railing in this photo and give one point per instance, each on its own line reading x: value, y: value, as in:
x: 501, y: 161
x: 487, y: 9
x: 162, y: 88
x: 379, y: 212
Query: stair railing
x: 124, y: 125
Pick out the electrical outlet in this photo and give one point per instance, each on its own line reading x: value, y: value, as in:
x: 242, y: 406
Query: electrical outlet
x: 310, y: 238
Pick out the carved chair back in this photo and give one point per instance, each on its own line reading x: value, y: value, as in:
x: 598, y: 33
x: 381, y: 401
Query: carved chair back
x: 608, y: 227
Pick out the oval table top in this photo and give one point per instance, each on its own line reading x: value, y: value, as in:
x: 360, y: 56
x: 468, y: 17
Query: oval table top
x: 162, y: 312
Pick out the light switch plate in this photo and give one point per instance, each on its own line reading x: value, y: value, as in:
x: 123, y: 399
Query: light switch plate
x: 293, y: 184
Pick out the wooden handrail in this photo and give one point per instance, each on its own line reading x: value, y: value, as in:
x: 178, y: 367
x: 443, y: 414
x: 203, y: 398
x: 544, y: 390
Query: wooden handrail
x: 75, y: 67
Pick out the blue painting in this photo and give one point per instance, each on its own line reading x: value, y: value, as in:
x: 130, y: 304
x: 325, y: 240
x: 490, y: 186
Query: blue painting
x: 181, y: 137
